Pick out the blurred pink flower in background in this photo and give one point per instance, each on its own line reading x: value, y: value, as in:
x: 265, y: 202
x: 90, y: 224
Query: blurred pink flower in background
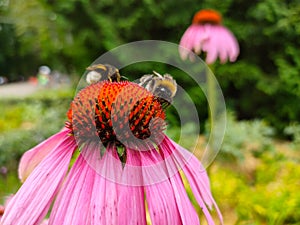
x: 207, y: 34
x: 105, y: 185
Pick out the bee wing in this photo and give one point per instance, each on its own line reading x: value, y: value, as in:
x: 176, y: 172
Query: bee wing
x: 145, y: 78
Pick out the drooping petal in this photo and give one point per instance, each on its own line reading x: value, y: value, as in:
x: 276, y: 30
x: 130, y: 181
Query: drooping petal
x: 201, y: 192
x: 200, y: 37
x: 31, y: 203
x: 232, y: 45
x: 214, y: 39
x: 131, y: 204
x: 196, y: 176
x: 221, y: 43
x: 161, y: 204
x: 34, y: 156
x: 210, y: 46
x: 188, y: 41
x: 73, y: 201
x: 185, y: 40
x: 187, y: 212
x: 160, y: 196
x: 104, y: 201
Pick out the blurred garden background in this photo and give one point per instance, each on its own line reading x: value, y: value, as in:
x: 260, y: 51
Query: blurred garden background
x: 256, y: 176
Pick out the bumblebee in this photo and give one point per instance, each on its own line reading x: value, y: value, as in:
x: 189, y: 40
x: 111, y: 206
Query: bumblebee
x: 100, y: 72
x: 163, y: 87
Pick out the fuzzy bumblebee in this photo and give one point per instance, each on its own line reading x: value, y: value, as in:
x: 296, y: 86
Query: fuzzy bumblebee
x: 101, y: 72
x: 163, y: 87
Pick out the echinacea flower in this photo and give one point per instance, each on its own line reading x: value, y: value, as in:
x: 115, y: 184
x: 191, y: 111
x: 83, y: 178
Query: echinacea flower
x: 125, y: 166
x: 207, y: 34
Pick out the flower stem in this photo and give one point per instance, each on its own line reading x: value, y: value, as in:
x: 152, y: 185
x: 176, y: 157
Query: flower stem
x: 211, y: 95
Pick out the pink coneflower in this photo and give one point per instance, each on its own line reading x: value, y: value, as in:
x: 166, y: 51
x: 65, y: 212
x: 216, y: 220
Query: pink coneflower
x: 207, y: 34
x: 122, y: 165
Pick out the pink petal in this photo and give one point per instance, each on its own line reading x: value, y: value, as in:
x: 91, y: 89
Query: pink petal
x: 225, y: 43
x: 73, y: 201
x: 187, y: 212
x: 160, y: 196
x: 220, y: 38
x: 136, y: 174
x: 161, y: 204
x: 215, y: 40
x: 34, y: 156
x: 186, y: 40
x: 189, y: 41
x: 232, y: 46
x: 131, y: 197
x: 163, y: 163
x: 104, y: 202
x: 221, y: 43
x: 32, y: 201
x: 200, y: 37
x: 197, y: 178
x: 131, y: 205
x: 211, y: 46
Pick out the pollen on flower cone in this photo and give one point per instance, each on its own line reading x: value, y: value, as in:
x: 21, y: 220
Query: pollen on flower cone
x: 207, y: 16
x: 115, y: 112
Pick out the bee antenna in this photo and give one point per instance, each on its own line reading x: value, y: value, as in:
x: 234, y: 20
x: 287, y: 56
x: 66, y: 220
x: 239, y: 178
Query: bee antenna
x: 157, y: 74
x: 125, y: 78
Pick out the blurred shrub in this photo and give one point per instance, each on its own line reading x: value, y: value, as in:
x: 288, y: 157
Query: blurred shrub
x: 9, y: 184
x: 242, y: 137
x: 293, y: 130
x: 25, y: 123
x: 264, y: 82
x: 186, y: 136
x: 271, y: 198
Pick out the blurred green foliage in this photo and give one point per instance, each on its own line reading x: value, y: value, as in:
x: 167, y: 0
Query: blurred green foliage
x: 293, y: 130
x: 255, y: 178
x: 245, y: 137
x: 24, y: 124
x: 69, y: 35
x: 265, y: 194
x: 9, y: 184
